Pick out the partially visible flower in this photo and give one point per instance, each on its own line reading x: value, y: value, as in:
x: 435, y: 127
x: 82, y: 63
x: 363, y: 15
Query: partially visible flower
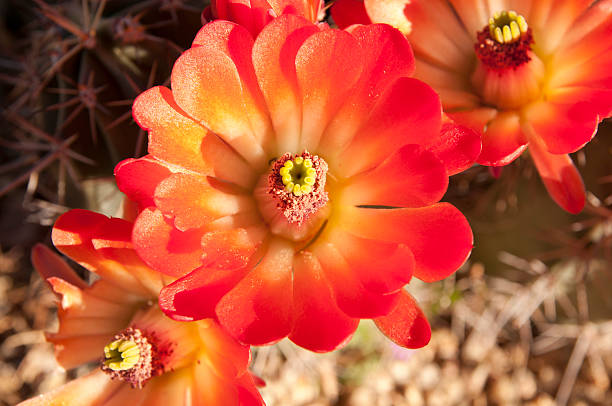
x: 293, y: 183
x: 255, y: 14
x: 521, y: 72
x: 146, y: 359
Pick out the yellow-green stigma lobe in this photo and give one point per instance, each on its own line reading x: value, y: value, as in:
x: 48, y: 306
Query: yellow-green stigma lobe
x: 298, y: 175
x: 507, y: 26
x: 298, y: 183
x: 131, y: 357
x: 121, y: 355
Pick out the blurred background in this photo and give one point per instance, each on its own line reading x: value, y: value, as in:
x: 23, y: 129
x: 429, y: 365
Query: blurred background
x: 526, y: 321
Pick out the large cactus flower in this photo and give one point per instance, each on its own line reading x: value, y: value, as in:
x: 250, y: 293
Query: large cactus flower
x: 534, y: 73
x: 293, y: 183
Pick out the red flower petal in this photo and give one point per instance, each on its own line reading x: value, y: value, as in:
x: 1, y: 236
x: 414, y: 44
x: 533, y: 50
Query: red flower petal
x: 163, y: 247
x: 503, y: 141
x: 89, y: 239
x: 386, y: 57
x: 560, y: 176
x: 349, y: 12
x: 138, y: 178
x: 320, y: 325
x: 258, y: 310
x: 328, y: 64
x: 274, y: 61
x: 564, y: 128
x: 381, y: 267
x: 411, y: 177
x: 439, y: 236
x: 309, y: 9
x: 216, y: 85
x: 50, y: 265
x: 458, y: 147
x: 251, y: 14
x: 406, y: 325
x: 174, y: 137
x: 396, y: 120
x: 195, y: 295
x: 351, y: 296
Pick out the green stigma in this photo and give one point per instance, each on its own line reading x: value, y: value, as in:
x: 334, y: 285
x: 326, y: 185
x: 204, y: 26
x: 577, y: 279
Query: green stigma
x: 298, y: 175
x: 507, y: 26
x: 121, y: 355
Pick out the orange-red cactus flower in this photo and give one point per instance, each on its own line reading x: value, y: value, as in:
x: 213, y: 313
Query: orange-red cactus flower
x: 293, y: 181
x: 255, y: 14
x: 534, y: 73
x: 145, y: 358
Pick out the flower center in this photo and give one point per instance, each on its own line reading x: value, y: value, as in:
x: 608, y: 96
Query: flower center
x: 298, y: 185
x: 131, y: 357
x: 505, y: 42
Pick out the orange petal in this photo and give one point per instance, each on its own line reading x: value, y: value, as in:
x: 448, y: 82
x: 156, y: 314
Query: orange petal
x: 386, y: 56
x: 503, y: 140
x: 208, y: 84
x: 49, y: 265
x: 195, y: 295
x: 456, y: 91
x: 194, y: 201
x: 237, y: 44
x: 438, y: 36
x: 411, y: 177
x: 560, y: 176
x: 564, y: 128
x: 258, y: 310
x: 550, y: 21
x: 328, y: 64
x: 458, y: 147
x: 474, y: 14
x: 165, y: 248
x: 274, y: 61
x: 320, y: 325
x: 174, y: 388
x: 211, y: 389
x: 364, y: 259
x: 350, y: 294
x: 439, y: 236
x: 90, y: 389
x: 138, y: 178
x: 396, y: 120
x: 406, y: 325
x: 174, y: 137
x: 224, y: 354
x: 74, y: 234
x: 231, y: 249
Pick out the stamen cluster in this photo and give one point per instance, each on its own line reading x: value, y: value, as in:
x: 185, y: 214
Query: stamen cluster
x: 505, y: 43
x: 298, y: 184
x: 132, y: 357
